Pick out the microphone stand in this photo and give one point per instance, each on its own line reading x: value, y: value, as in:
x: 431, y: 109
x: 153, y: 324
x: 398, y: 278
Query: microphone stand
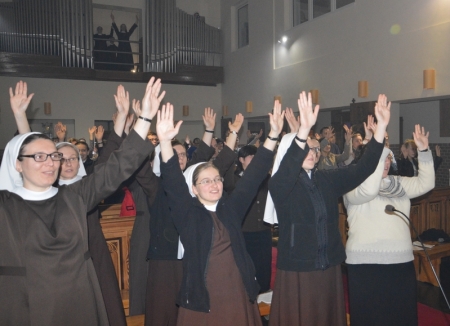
x: 426, y: 253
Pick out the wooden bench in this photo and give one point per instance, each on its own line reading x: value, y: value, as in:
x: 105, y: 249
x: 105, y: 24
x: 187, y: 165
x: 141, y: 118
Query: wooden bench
x: 424, y: 273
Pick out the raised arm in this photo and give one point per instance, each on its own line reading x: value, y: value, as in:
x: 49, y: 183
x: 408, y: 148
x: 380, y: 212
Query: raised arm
x: 209, y: 120
x: 122, y: 99
x: 287, y: 167
x: 369, y: 189
x: 247, y: 188
x: 425, y: 180
x: 347, y: 146
x: 234, y: 130
x: 124, y: 162
x: 150, y: 104
x: 294, y: 123
x: 60, y: 131
x: 19, y: 103
x: 166, y: 131
x: 173, y: 180
x: 308, y: 118
x: 344, y: 180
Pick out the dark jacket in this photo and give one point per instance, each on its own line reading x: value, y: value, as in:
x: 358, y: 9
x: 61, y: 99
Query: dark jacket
x: 406, y: 169
x: 194, y: 223
x: 298, y: 243
x: 163, y: 234
x: 254, y: 217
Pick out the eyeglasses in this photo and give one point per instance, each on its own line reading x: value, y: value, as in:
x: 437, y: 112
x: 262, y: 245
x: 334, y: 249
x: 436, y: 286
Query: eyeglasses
x: 69, y: 160
x: 181, y: 154
x: 315, y: 150
x: 208, y: 182
x: 41, y: 157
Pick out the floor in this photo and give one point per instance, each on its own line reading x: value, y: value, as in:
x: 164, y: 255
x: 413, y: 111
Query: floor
x: 432, y: 296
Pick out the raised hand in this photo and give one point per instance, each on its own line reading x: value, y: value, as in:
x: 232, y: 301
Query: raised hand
x: 294, y: 123
x: 383, y: 110
x: 421, y: 138
x: 152, y: 98
x: 112, y: 16
x: 438, y: 150
x: 122, y: 100
x: 276, y: 119
x: 209, y: 119
x: 330, y: 132
x: 237, y: 123
x: 348, y: 133
x: 99, y: 133
x: 187, y: 140
x: 369, y: 127
x: 259, y: 134
x: 136, y: 106
x: 60, y: 131
x: 164, y: 127
x: 92, y: 131
x: 19, y: 99
x: 308, y: 116
x: 129, y: 123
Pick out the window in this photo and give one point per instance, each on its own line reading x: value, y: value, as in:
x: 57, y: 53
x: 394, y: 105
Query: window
x: 242, y: 14
x: 341, y: 3
x: 303, y: 10
x: 300, y: 11
x: 321, y: 7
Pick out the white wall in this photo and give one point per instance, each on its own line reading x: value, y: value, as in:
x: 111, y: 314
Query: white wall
x: 334, y: 51
x: 427, y: 115
x: 86, y: 101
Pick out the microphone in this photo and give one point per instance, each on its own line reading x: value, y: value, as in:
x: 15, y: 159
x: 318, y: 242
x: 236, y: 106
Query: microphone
x: 391, y: 210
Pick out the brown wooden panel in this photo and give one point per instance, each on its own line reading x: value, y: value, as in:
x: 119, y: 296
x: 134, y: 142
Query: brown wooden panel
x: 435, y: 214
x: 114, y: 250
x: 415, y: 215
x: 117, y: 231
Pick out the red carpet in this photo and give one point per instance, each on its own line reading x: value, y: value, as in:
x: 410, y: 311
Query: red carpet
x: 432, y: 317
x: 427, y: 316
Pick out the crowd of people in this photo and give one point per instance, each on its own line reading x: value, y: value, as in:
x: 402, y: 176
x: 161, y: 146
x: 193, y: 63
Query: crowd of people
x: 201, y: 244
x: 109, y: 56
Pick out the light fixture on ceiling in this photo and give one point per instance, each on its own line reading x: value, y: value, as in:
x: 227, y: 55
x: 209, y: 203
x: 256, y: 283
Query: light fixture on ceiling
x: 283, y: 39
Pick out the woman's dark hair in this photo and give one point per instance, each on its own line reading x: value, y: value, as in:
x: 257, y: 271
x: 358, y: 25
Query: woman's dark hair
x: 29, y: 140
x: 176, y: 142
x: 82, y: 143
x: 359, y: 152
x: 201, y: 168
x: 244, y: 152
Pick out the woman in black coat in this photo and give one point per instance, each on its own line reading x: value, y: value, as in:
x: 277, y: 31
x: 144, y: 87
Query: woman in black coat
x: 124, y: 56
x: 218, y: 286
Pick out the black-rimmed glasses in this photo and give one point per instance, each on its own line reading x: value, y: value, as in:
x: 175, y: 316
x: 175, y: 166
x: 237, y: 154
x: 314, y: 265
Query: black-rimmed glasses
x: 41, y: 157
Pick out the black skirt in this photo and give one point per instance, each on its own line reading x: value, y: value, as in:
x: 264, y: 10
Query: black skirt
x: 382, y: 294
